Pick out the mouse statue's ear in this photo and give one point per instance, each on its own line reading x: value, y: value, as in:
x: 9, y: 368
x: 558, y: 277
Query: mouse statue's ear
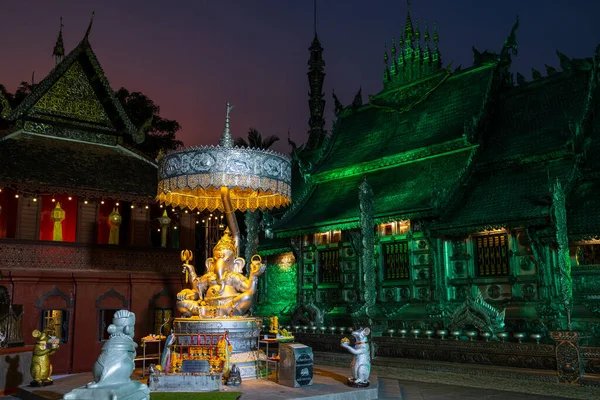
x: 367, y: 331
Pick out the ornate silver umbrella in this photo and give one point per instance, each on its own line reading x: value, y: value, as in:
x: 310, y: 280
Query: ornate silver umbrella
x: 224, y: 178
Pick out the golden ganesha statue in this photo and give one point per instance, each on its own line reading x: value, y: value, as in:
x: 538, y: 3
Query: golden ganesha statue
x: 223, y: 290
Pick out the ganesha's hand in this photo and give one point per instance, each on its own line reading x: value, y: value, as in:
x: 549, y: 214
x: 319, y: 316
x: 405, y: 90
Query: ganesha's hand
x: 189, y: 268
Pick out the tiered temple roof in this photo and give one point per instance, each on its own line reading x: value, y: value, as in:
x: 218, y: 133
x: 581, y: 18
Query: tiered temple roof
x: 72, y: 135
x: 467, y: 149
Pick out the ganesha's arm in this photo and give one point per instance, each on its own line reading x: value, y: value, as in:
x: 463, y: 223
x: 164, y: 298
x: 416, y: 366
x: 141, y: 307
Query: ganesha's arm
x: 202, y: 285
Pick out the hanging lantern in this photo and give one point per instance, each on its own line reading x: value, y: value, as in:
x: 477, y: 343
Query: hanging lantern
x: 58, y: 215
x: 164, y: 222
x: 114, y: 221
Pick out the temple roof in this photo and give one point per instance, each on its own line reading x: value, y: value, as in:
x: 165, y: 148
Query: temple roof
x: 405, y: 191
x: 430, y: 111
x: 37, y: 163
x: 76, y: 93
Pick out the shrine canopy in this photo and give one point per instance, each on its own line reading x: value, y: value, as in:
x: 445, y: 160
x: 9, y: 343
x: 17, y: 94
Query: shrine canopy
x: 192, y: 178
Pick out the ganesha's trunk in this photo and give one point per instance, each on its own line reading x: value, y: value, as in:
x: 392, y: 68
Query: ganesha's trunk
x: 230, y: 216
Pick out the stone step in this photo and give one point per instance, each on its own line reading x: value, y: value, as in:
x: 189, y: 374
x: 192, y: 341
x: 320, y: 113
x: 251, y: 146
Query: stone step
x: 389, y: 389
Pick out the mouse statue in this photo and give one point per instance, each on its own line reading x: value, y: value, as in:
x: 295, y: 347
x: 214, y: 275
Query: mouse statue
x: 41, y: 369
x: 115, y: 365
x: 361, y: 363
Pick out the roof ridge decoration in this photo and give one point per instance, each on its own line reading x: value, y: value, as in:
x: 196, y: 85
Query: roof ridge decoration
x: 5, y: 108
x: 408, y: 61
x: 581, y: 131
x: 82, y: 51
x: 297, y: 205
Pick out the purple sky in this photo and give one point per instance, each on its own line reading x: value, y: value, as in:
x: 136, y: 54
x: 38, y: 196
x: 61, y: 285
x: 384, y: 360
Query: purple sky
x: 191, y: 57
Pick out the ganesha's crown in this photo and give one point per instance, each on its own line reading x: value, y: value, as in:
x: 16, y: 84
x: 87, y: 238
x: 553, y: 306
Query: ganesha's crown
x: 225, y: 243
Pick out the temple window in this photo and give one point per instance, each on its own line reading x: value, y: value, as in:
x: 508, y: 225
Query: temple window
x: 396, y: 260
x: 492, y: 254
x: 328, y: 237
x: 56, y: 321
x: 588, y: 254
x: 394, y: 228
x: 329, y: 266
x: 162, y: 318
x: 105, y: 317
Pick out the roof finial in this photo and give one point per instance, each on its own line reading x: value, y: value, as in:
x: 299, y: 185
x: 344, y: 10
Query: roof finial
x: 59, y: 48
x: 89, y: 29
x: 408, y: 30
x: 315, y: 18
x: 226, y: 139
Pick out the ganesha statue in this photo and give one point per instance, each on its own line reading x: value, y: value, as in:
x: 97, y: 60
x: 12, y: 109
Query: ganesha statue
x: 223, y: 291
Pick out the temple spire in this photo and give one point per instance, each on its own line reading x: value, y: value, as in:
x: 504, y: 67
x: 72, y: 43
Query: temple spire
x: 59, y: 48
x: 316, y: 102
x: 408, y: 30
x: 226, y: 139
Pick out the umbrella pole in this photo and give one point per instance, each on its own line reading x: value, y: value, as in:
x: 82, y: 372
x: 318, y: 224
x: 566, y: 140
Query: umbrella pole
x: 230, y: 217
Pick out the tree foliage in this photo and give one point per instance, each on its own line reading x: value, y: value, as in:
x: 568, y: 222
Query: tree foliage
x: 161, y: 132
x: 255, y: 140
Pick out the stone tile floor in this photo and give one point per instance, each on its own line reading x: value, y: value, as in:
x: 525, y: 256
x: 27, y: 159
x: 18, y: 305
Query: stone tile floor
x: 411, y: 390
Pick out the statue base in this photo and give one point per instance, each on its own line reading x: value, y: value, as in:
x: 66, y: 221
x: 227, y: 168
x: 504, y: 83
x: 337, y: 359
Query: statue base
x: 40, y: 384
x: 353, y: 383
x: 185, y: 383
x: 243, y: 333
x: 129, y: 391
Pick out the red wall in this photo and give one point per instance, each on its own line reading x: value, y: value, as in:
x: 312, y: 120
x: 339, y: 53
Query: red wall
x: 85, y: 291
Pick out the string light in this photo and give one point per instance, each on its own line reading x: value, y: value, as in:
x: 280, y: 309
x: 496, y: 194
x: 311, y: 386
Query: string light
x: 102, y: 202
x: 85, y: 202
x: 70, y: 198
x: 186, y: 211
x: 117, y: 204
x: 16, y: 196
x: 203, y: 221
x: 146, y: 207
x: 53, y: 200
x: 0, y: 190
x: 132, y: 206
x: 197, y: 222
x: 172, y: 210
x: 161, y: 206
x: 159, y: 229
x: 196, y: 213
x: 174, y: 227
x: 34, y: 199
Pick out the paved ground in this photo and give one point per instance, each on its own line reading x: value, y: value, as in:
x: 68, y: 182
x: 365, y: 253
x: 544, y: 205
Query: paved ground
x: 410, y: 390
x: 388, y: 389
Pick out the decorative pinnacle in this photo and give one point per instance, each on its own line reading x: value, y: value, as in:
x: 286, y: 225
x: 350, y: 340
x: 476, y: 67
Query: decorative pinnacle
x: 393, y: 45
x: 408, y: 30
x: 436, y: 38
x: 89, y: 29
x: 59, y: 47
x: 417, y: 32
x: 427, y: 37
x: 401, y: 40
x: 226, y: 139
x: 385, y: 55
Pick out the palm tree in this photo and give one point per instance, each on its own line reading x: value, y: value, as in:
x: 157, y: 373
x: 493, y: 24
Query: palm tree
x: 255, y: 140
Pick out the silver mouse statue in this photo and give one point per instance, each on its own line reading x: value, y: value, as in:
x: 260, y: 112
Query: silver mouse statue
x: 361, y: 364
x: 113, y: 369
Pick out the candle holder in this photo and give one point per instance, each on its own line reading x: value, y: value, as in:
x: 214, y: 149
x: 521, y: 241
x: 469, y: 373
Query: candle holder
x: 472, y: 335
x: 332, y: 329
x: 403, y: 332
x: 456, y: 334
x: 391, y: 332
x: 313, y: 329
x: 537, y: 337
x: 442, y: 333
x: 519, y: 336
x: 416, y: 333
x: 486, y: 336
x: 342, y: 329
x: 502, y: 336
x: 322, y: 329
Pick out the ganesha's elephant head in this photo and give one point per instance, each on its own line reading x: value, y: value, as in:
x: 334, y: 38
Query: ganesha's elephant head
x: 223, y: 263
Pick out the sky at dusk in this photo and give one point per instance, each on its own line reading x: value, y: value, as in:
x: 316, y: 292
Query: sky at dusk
x: 191, y: 57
